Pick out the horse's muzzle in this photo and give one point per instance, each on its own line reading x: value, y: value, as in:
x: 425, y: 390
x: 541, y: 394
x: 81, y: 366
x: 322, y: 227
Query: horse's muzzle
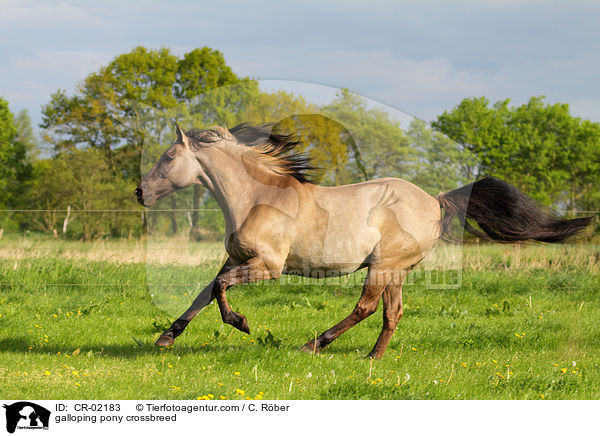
x: 139, y: 195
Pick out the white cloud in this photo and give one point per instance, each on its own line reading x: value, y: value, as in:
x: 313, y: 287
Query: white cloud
x: 30, y: 79
x: 421, y: 58
x: 19, y: 17
x: 427, y: 87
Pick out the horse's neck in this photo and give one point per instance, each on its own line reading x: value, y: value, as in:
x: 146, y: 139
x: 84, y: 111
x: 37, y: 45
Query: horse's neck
x: 238, y: 185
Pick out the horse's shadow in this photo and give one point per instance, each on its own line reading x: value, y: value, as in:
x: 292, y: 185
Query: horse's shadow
x: 135, y: 349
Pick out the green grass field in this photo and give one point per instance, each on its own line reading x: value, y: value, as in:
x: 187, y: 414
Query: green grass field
x: 77, y: 322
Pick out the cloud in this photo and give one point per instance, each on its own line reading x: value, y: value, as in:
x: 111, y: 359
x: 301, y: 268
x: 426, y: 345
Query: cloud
x: 421, y: 58
x: 427, y: 87
x: 30, y: 79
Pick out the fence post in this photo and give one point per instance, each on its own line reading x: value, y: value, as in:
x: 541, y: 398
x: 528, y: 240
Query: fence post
x: 66, y: 221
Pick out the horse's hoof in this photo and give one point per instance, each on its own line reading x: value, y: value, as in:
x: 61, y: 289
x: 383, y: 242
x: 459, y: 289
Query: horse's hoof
x: 374, y: 356
x: 243, y: 325
x: 309, y: 347
x: 238, y: 321
x: 165, y: 340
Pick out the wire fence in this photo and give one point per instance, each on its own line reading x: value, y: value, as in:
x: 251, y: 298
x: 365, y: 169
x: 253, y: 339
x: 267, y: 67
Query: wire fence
x: 110, y: 210
x: 190, y: 210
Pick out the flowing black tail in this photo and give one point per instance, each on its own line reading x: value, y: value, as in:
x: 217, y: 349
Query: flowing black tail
x: 504, y: 214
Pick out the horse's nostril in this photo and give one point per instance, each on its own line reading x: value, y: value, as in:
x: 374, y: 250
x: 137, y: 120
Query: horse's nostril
x: 137, y: 192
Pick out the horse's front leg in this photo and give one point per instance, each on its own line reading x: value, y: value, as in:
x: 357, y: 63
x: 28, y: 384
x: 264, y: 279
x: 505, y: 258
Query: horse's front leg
x: 200, y: 302
x: 232, y: 273
x: 250, y: 271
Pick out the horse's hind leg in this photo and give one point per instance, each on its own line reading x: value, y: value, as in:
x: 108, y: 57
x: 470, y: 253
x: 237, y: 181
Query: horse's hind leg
x: 367, y: 305
x: 392, y: 312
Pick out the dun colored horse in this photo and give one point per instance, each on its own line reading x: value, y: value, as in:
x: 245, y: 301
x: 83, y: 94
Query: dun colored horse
x: 278, y: 222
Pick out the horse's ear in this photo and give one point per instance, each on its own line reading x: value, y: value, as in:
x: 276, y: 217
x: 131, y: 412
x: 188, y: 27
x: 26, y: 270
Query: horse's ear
x: 181, y: 137
x: 180, y: 134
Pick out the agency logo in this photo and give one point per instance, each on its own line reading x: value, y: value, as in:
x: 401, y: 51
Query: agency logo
x: 26, y: 415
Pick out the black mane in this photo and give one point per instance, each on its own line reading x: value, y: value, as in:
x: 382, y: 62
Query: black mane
x: 269, y: 141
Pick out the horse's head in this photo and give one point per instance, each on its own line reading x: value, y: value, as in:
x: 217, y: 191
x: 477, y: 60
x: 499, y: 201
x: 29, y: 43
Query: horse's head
x: 176, y: 169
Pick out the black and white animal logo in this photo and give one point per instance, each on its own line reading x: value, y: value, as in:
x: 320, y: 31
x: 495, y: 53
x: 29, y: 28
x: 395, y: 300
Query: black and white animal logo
x: 26, y: 415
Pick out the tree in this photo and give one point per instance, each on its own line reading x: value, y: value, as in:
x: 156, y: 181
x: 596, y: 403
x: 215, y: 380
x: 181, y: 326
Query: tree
x: 81, y: 180
x: 376, y: 146
x: 129, y: 105
x: 539, y: 147
x: 26, y: 136
x: 15, y: 165
x: 441, y: 164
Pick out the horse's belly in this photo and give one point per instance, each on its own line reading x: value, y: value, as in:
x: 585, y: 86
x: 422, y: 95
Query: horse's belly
x: 308, y: 269
x: 330, y: 256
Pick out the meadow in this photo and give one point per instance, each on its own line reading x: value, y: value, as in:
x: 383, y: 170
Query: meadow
x: 78, y: 321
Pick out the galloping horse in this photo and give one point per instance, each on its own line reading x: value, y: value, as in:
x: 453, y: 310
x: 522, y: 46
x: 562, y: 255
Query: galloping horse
x: 278, y: 222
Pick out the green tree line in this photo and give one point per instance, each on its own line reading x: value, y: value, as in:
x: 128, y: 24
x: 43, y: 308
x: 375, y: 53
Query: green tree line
x: 94, y: 140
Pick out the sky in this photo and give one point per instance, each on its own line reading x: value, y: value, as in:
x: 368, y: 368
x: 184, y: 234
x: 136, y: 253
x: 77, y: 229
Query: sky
x: 420, y: 58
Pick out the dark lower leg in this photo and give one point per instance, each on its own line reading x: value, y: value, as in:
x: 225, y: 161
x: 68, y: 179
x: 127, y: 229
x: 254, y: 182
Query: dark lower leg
x: 365, y: 307
x: 392, y: 312
x: 168, y: 337
x: 250, y: 271
x: 237, y: 320
x: 206, y: 296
